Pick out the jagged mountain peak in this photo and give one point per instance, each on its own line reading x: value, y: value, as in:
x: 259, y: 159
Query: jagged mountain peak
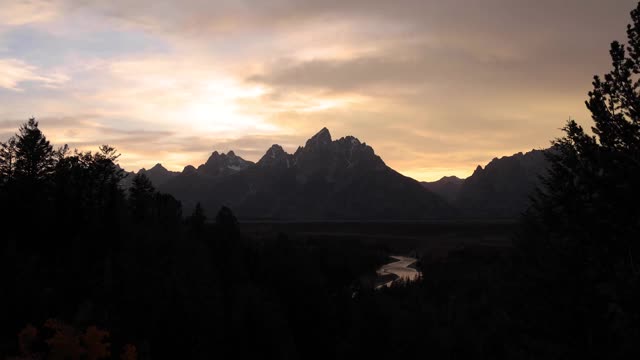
x: 158, y: 167
x: 322, y: 138
x: 276, y: 147
x: 350, y: 143
x: 221, y: 163
x: 275, y: 151
x: 352, y: 140
x: 275, y: 156
x: 216, y: 156
x: 158, y: 174
x: 503, y: 187
x: 323, y: 132
x: 221, y: 156
x: 322, y: 155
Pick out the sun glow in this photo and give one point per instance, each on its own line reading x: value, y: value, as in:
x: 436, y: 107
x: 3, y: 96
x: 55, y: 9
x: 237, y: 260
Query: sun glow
x: 218, y: 108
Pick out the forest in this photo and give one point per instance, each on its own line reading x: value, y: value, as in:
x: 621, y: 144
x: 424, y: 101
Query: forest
x: 93, y: 270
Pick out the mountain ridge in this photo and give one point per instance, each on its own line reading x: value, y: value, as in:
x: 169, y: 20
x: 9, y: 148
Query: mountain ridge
x: 500, y: 189
x: 325, y: 179
x: 344, y: 179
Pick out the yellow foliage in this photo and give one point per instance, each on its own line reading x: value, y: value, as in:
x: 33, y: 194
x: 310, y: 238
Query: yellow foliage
x: 26, y: 338
x: 129, y: 353
x: 67, y: 344
x: 64, y: 343
x: 96, y: 346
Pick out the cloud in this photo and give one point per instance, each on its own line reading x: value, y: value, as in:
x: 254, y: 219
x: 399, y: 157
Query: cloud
x: 193, y: 17
x: 21, y: 12
x: 14, y: 72
x: 342, y: 75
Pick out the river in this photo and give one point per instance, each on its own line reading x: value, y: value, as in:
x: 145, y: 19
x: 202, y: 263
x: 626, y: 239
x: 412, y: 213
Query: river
x: 400, y: 268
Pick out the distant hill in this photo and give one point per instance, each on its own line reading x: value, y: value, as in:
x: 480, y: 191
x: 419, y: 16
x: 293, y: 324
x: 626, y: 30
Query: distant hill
x: 448, y: 187
x: 499, y: 190
x: 323, y: 180
x: 159, y: 174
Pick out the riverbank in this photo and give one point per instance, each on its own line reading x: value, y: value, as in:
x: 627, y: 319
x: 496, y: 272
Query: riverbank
x: 396, y: 270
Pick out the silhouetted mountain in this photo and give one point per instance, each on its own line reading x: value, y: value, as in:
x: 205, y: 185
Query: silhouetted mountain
x: 500, y: 190
x: 127, y: 180
x: 189, y: 170
x: 448, y: 187
x: 223, y: 164
x: 276, y: 157
x: 324, y: 180
x: 503, y: 187
x: 159, y: 174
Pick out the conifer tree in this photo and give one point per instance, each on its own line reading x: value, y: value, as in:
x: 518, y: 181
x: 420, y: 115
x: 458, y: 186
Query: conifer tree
x: 590, y: 197
x: 197, y: 218
x: 34, y: 153
x: 7, y: 160
x: 581, y: 235
x: 141, y: 197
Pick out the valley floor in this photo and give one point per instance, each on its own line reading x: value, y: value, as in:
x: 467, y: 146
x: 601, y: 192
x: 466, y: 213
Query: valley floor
x: 406, y: 238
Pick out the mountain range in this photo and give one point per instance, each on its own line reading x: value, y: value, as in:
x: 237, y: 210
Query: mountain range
x: 343, y: 179
x: 499, y: 190
x: 325, y: 179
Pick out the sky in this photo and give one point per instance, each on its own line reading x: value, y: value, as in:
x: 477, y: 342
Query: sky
x: 435, y: 87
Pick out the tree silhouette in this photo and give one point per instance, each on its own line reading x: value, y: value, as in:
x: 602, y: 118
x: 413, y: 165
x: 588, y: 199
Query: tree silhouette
x: 581, y: 234
x: 104, y: 165
x: 197, y: 218
x: 140, y: 197
x: 7, y: 160
x: 166, y: 209
x: 34, y: 153
x: 7, y: 194
x: 28, y: 164
x: 591, y: 197
x: 226, y: 221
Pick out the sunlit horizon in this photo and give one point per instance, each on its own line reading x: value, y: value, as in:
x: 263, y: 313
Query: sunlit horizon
x: 171, y: 84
